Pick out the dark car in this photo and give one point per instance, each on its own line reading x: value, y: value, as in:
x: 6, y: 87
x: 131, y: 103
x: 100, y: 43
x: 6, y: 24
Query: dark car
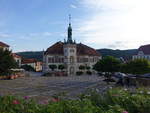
x: 146, y: 75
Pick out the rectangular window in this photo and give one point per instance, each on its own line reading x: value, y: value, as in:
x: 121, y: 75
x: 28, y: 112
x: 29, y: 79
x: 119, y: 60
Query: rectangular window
x: 85, y: 59
x: 49, y: 60
x: 52, y: 60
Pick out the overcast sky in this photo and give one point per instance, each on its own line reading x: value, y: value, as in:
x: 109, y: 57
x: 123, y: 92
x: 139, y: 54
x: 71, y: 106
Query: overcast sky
x: 31, y: 25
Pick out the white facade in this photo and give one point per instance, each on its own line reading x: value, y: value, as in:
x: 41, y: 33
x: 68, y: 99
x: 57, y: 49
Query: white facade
x: 141, y: 55
x: 70, y: 60
x: 18, y: 60
x: 5, y: 48
x: 50, y: 60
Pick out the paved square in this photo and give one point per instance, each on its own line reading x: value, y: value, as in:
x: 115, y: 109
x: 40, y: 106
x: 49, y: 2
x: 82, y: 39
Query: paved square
x: 45, y: 87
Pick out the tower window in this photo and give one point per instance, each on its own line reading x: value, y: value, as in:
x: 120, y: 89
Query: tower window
x: 65, y: 50
x: 72, y: 59
x: 72, y: 50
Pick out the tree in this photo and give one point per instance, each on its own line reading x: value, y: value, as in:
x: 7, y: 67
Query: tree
x: 109, y: 65
x: 28, y: 68
x: 138, y: 66
x: 7, y: 62
x: 61, y: 67
x: 52, y: 67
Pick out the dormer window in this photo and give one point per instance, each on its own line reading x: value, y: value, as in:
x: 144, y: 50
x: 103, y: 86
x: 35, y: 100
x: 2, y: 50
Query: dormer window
x: 140, y: 53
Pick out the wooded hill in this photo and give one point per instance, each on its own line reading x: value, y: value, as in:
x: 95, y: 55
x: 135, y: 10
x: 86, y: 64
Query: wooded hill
x: 104, y: 52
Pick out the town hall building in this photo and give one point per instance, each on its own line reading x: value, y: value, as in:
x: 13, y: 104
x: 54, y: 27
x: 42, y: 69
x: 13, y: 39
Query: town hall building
x: 70, y: 54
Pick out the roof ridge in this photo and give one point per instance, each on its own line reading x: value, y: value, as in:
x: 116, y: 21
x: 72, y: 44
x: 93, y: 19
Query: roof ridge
x: 3, y: 44
x: 82, y: 49
x: 145, y: 45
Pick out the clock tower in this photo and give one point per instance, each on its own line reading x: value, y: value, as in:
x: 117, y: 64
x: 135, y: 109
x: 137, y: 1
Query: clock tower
x: 70, y: 52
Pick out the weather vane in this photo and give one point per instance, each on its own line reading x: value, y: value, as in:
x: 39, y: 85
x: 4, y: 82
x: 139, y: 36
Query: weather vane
x: 69, y: 18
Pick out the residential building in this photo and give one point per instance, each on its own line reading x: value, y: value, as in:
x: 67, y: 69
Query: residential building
x: 143, y: 53
x: 4, y: 46
x: 17, y: 58
x: 37, y: 65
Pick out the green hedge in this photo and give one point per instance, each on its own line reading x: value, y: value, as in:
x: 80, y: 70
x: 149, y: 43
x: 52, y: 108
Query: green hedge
x: 113, y: 101
x: 89, y: 72
x: 78, y: 73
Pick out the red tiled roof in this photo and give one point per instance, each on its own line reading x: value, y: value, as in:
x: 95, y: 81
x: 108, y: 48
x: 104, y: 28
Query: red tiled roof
x: 145, y: 49
x: 82, y: 49
x: 86, y: 50
x: 15, y: 55
x: 26, y: 61
x: 57, y: 48
x: 3, y: 44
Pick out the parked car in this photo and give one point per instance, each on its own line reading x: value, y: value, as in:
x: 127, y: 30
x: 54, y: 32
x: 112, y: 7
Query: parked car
x: 101, y: 73
x: 146, y: 75
x: 119, y: 75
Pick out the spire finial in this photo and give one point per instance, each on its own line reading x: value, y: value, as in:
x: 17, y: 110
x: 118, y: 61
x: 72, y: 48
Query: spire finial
x: 69, y: 18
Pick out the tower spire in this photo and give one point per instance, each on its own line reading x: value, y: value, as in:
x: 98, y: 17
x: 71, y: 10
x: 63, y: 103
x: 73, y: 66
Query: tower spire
x: 69, y: 31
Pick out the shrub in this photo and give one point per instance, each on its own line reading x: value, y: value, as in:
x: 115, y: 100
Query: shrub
x: 53, y: 67
x: 108, y: 65
x: 47, y: 74
x: 81, y: 67
x: 88, y: 67
x: 11, y: 104
x: 28, y: 68
x: 119, y: 99
x: 89, y: 72
x: 112, y: 101
x: 79, y: 73
x: 7, y: 62
x: 138, y: 66
x: 61, y: 67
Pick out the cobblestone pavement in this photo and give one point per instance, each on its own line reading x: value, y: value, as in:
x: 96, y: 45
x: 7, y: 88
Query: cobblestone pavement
x: 44, y: 87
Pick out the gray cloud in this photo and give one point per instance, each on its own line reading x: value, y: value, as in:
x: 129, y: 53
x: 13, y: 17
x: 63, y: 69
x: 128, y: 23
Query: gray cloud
x: 110, y: 21
x: 5, y: 35
x: 117, y: 45
x: 73, y: 6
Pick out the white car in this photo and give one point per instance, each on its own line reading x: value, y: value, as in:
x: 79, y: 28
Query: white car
x: 119, y: 75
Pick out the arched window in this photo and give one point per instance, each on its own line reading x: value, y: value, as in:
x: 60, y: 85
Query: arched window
x: 71, y: 59
x: 72, y: 50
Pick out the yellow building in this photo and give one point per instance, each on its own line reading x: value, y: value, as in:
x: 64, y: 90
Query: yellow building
x: 37, y: 65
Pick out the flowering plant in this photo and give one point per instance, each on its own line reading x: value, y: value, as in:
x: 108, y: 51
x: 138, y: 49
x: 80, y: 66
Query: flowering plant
x: 113, y: 101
